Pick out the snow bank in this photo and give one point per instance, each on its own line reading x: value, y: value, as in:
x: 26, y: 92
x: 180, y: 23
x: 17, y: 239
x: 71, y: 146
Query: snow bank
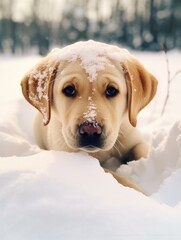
x: 54, y: 195
x: 57, y: 195
x: 164, y: 160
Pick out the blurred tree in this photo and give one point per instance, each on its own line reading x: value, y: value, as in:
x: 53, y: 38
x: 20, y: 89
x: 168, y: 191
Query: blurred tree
x: 1, y: 26
x: 153, y: 21
x: 40, y: 27
x: 8, y: 31
x: 74, y: 23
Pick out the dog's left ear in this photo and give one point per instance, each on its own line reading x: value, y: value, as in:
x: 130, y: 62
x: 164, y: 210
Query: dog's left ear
x: 37, y: 86
x: 141, y: 86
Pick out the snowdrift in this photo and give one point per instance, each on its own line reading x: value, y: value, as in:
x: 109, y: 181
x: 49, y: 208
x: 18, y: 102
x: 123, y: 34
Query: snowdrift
x: 57, y: 195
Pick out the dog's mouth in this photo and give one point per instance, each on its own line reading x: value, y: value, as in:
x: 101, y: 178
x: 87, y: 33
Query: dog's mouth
x: 90, y: 149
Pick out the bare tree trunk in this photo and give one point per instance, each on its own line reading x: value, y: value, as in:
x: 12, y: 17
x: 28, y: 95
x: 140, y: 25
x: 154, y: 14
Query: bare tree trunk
x: 153, y: 21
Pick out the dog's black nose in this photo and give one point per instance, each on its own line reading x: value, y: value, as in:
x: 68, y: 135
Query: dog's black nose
x: 90, y: 134
x: 90, y: 128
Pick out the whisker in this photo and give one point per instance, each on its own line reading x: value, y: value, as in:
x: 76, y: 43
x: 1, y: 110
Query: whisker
x: 117, y: 149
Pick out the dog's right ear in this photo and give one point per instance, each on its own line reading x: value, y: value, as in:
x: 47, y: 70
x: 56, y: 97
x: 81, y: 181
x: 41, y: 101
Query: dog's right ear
x: 37, y: 86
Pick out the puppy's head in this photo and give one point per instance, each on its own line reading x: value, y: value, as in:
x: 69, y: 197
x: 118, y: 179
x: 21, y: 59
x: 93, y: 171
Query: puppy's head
x: 90, y: 88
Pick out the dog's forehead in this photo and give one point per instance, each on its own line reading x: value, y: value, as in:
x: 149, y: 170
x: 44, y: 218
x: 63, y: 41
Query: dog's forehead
x: 90, y: 57
x: 76, y: 73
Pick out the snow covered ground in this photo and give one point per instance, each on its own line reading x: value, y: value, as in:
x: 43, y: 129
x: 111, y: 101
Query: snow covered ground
x: 66, y: 196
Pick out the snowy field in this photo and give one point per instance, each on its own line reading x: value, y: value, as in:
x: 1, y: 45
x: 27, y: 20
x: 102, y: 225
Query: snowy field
x: 64, y: 196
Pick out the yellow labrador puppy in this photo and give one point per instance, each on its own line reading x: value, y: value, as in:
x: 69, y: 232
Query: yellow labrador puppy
x: 88, y: 95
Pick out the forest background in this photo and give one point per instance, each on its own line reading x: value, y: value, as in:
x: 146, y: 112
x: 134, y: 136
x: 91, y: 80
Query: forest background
x: 39, y: 25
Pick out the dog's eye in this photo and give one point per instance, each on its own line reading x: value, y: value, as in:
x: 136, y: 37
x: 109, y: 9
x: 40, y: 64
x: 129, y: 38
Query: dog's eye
x: 70, y: 91
x: 111, y: 91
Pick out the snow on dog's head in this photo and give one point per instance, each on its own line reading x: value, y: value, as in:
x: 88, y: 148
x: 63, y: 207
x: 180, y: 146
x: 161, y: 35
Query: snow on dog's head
x: 93, y: 56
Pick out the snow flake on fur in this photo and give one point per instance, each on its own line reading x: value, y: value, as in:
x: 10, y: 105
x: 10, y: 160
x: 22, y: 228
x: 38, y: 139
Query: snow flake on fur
x: 93, y: 56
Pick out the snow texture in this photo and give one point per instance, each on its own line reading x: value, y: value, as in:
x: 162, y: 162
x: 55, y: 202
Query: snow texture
x: 90, y: 115
x: 38, y: 83
x: 57, y: 195
x: 93, y: 56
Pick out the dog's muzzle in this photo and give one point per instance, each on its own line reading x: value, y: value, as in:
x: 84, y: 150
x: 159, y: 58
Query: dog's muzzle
x: 90, y: 135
